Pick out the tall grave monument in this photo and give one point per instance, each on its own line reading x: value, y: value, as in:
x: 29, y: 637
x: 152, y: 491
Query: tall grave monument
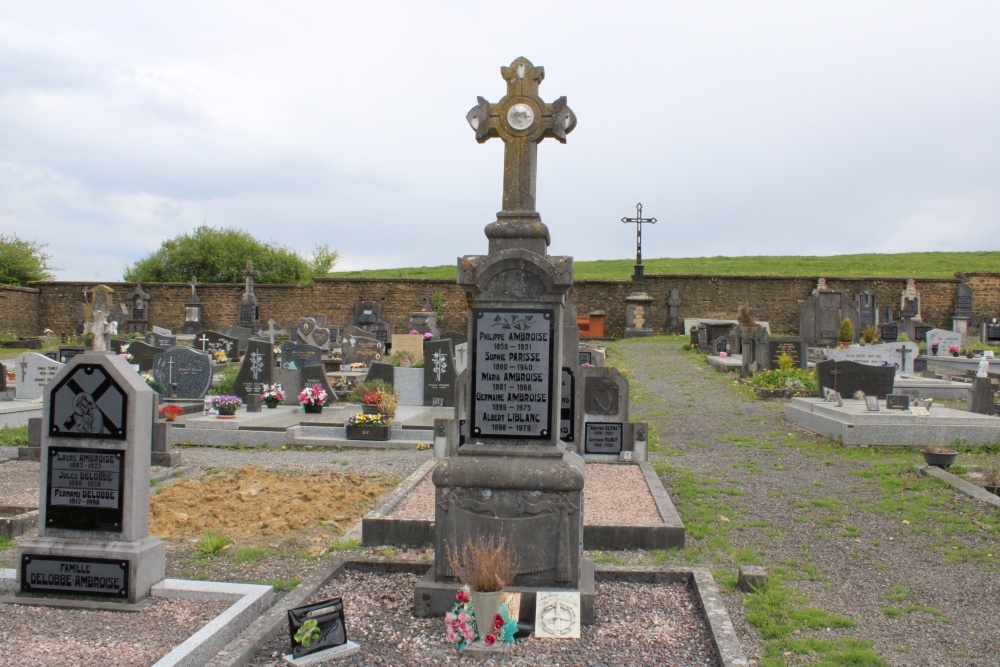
x: 638, y: 304
x: 513, y: 475
x: 93, y: 511
x: 248, y: 314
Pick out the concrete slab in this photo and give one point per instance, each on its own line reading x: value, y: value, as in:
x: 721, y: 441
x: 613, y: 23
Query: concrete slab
x: 852, y: 424
x: 732, y: 363
x: 17, y: 412
x: 921, y: 387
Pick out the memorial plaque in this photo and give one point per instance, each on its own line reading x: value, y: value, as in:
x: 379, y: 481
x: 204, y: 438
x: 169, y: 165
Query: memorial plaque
x: 567, y: 414
x: 73, y: 575
x: 88, y: 403
x: 359, y: 347
x: 84, y: 489
x: 920, y: 332
x: 792, y: 346
x: 67, y: 353
x: 160, y: 340
x: 963, y: 302
x: 300, y: 355
x: 992, y: 333
x: 603, y: 438
x: 586, y: 357
x: 512, y: 371
x: 897, y: 402
x: 211, y: 341
x: 871, y: 403
x: 889, y: 332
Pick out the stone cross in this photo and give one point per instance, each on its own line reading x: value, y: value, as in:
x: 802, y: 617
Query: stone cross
x: 194, y: 283
x: 638, y: 220
x: 521, y: 120
x: 835, y: 373
x: 271, y: 331
x: 902, y: 350
x: 204, y: 339
x: 250, y: 275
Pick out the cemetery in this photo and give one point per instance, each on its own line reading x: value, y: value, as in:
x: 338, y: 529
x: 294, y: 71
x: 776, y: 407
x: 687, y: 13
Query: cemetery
x: 260, y: 480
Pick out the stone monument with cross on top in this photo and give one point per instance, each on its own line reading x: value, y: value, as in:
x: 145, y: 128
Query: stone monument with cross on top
x: 192, y: 309
x: 513, y: 476
x: 638, y: 304
x: 249, y: 309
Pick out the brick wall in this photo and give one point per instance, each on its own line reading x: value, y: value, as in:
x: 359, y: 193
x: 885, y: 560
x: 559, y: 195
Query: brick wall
x: 778, y: 300
x: 19, y: 310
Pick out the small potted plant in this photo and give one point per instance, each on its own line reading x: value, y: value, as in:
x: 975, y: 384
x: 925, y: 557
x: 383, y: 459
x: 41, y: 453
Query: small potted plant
x: 486, y: 565
x: 171, y: 411
x: 955, y: 350
x: 363, y: 426
x: 934, y: 346
x: 940, y: 457
x: 312, y: 399
x: 991, y: 478
x: 845, y: 334
x: 369, y: 402
x: 226, y: 405
x: 272, y: 395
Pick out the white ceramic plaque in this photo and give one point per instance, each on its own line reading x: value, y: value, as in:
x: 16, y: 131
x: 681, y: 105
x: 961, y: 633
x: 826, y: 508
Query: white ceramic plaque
x: 557, y: 614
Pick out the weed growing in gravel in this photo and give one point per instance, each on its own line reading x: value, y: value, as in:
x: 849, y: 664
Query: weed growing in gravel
x: 6, y: 543
x: 345, y: 545
x: 283, y: 585
x: 14, y: 435
x: 249, y: 555
x: 611, y: 559
x: 212, y: 544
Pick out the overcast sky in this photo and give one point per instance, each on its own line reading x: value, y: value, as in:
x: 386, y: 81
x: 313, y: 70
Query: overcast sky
x: 745, y: 128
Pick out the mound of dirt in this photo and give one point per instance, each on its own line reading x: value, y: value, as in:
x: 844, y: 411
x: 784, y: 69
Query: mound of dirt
x: 257, y: 502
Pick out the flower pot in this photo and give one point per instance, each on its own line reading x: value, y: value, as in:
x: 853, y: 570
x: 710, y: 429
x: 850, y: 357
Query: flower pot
x: 226, y: 410
x: 311, y: 409
x: 370, y: 409
x: 942, y: 460
x: 844, y: 345
x: 486, y: 606
x: 272, y: 403
x: 954, y: 354
x: 170, y: 416
x: 934, y: 349
x: 367, y: 431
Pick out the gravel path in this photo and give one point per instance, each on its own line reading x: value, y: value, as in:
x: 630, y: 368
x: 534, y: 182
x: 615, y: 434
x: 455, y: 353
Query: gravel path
x: 662, y: 626
x: 19, y: 483
x: 819, y: 513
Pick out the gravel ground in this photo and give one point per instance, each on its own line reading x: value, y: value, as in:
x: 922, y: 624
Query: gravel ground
x: 663, y: 626
x: 46, y: 637
x: 19, y: 483
x: 613, y: 494
x: 816, y: 513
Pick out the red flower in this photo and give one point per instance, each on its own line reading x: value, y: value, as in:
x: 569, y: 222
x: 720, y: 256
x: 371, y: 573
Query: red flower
x: 498, y: 623
x: 490, y: 640
x: 462, y: 595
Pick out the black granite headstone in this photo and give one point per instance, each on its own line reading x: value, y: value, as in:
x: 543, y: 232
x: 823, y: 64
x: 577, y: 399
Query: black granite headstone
x: 360, y: 348
x: 160, y: 340
x: 256, y: 369
x: 143, y: 354
x: 183, y: 372
x: 897, y: 402
x: 848, y: 377
x: 212, y: 341
x: 382, y: 371
x: 439, y: 374
x: 792, y: 346
x: 567, y: 415
x: 67, y: 353
x: 920, y: 332
x: 316, y: 374
x: 889, y: 333
x: 300, y: 355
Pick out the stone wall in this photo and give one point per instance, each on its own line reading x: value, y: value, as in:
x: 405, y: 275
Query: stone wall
x: 19, y: 310
x: 778, y: 300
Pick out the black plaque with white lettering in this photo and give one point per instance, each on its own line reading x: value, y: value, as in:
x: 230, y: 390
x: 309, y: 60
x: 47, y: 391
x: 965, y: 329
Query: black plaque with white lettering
x: 72, y: 575
x: 512, y: 353
x: 84, y: 489
x: 889, y: 332
x: 566, y: 412
x: 603, y: 438
x: 897, y: 402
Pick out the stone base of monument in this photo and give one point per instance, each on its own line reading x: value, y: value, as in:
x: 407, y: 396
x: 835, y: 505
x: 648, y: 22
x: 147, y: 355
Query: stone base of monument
x: 638, y: 315
x: 433, y: 598
x: 29, y: 453
x: 924, y: 387
x: 732, y: 363
x: 853, y: 424
x: 78, y: 570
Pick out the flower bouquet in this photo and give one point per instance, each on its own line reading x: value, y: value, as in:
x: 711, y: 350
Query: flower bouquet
x: 486, y: 566
x: 226, y: 405
x: 955, y: 349
x: 312, y: 399
x: 461, y: 627
x: 126, y: 356
x: 362, y: 418
x: 171, y: 411
x: 272, y: 395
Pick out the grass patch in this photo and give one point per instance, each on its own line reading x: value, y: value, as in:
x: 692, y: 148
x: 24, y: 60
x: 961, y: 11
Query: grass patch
x: 212, y: 544
x: 345, y: 545
x: 249, y: 555
x: 14, y: 436
x: 6, y: 543
x: 283, y: 585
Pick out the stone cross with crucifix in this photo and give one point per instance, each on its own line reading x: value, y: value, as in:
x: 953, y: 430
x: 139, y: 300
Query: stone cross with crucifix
x: 521, y: 119
x: 638, y: 221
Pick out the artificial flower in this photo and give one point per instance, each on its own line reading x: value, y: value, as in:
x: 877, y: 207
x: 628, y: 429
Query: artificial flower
x: 490, y: 640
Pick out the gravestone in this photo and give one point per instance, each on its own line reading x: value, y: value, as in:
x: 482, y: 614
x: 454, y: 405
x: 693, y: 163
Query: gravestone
x: 734, y: 341
x: 256, y: 369
x: 33, y: 372
x: 357, y: 347
x: 3, y: 378
x: 590, y: 355
x: 605, y: 394
x: 990, y: 330
x: 425, y: 321
x: 183, y: 372
x: 604, y: 438
x: 983, y: 398
x: 720, y: 344
x: 674, y: 304
x: 248, y: 310
x: 381, y: 371
x: 848, y: 377
x: 93, y: 515
x: 300, y: 355
x: 241, y: 334
x: 137, y: 307
x: 270, y: 332
x: 67, y: 353
x: 822, y: 314
x: 290, y: 380
x: 213, y: 341
x: 513, y: 470
x: 793, y: 346
x: 455, y: 337
x: 192, y: 310
x: 312, y: 330
x: 316, y: 374
x: 909, y: 301
x: 899, y: 355
x: 866, y: 303
x: 368, y: 318
x: 159, y: 340
x: 439, y: 374
x: 920, y: 332
x: 461, y: 357
x: 945, y: 339
x: 410, y: 343
x: 143, y: 354
x: 962, y: 315
x: 118, y: 345
x: 567, y: 408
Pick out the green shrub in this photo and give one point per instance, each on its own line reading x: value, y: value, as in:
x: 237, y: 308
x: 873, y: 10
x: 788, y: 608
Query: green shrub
x: 845, y: 334
x: 14, y: 435
x: 226, y: 381
x: 794, y: 379
x: 362, y: 388
x: 870, y: 334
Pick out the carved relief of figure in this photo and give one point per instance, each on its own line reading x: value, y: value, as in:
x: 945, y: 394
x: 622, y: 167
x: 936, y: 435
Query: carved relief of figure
x: 86, y: 416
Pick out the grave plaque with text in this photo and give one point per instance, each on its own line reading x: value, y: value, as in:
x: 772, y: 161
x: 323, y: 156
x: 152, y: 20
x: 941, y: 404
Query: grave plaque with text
x: 566, y: 413
x: 512, y: 371
x: 603, y: 438
x: 73, y: 575
x: 84, y: 489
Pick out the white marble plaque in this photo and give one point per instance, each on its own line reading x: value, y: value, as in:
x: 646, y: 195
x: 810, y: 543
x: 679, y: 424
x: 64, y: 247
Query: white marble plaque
x: 557, y: 614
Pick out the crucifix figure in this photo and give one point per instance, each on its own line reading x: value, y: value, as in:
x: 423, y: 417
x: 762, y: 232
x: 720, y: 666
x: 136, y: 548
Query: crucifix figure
x: 902, y: 350
x: 835, y: 373
x: 638, y: 220
x: 521, y: 119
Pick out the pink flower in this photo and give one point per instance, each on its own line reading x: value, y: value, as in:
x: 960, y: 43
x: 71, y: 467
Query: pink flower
x: 723, y: 355
x: 463, y: 617
x: 449, y: 617
x: 468, y: 633
x: 414, y: 331
x: 498, y: 623
x: 490, y: 640
x: 450, y: 636
x: 428, y: 335
x: 462, y: 595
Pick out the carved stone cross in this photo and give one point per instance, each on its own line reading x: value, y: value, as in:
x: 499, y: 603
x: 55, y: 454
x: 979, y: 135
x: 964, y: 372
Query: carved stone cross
x: 902, y: 351
x: 250, y: 275
x: 521, y: 119
x: 270, y: 331
x: 203, y: 340
x: 194, y: 283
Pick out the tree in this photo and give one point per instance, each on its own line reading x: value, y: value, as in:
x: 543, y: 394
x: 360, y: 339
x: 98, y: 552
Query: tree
x: 22, y: 261
x: 220, y: 256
